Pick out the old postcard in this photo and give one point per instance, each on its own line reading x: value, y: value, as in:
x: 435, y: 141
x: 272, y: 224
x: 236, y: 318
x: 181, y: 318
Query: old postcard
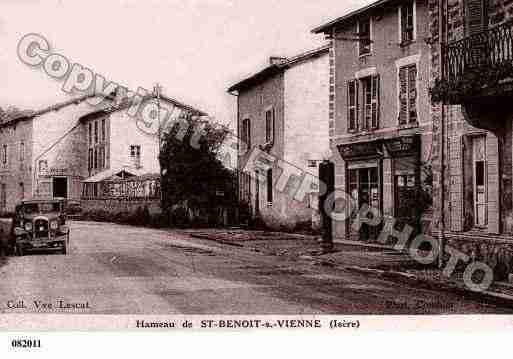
x: 212, y: 165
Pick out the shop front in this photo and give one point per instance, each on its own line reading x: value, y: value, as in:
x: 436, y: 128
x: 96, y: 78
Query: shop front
x: 383, y: 174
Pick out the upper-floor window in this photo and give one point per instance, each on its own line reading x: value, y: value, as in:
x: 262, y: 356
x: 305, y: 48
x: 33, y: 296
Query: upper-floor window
x: 22, y: 151
x: 370, y: 102
x: 408, y: 94
x: 407, y: 22
x: 476, y: 16
x: 246, y: 132
x: 269, y: 125
x: 4, y: 155
x: 369, y: 118
x: 90, y: 133
x: 103, y: 130
x: 43, y: 166
x: 95, y: 131
x: 352, y: 105
x: 135, y: 155
x: 364, y: 36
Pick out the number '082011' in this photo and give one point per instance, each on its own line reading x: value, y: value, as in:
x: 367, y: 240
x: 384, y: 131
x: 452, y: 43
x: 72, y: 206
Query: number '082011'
x: 26, y: 343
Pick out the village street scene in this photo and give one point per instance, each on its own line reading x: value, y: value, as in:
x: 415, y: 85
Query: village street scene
x: 365, y: 167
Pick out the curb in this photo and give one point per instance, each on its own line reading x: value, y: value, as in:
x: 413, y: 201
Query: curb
x: 486, y: 297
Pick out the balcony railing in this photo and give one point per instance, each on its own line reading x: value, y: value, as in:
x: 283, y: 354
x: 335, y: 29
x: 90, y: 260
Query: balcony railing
x: 488, y: 49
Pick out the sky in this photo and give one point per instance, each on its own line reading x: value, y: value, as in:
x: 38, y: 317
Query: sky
x: 195, y: 49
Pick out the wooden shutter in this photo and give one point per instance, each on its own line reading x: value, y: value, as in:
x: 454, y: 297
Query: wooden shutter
x: 352, y: 105
x: 475, y: 16
x: 412, y: 93
x: 403, y: 95
x: 375, y: 102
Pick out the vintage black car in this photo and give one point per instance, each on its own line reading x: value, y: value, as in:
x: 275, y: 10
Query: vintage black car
x: 39, y: 225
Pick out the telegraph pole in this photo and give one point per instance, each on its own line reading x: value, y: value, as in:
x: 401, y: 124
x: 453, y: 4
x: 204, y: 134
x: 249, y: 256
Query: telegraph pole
x: 156, y: 90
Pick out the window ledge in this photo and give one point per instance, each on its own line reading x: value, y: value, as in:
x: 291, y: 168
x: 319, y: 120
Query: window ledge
x: 408, y: 126
x: 407, y: 43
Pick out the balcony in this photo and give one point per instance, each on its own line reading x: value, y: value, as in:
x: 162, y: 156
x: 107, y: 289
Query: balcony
x: 477, y: 72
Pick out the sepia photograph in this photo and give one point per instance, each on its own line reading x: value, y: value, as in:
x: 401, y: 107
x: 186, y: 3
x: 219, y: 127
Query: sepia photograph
x: 239, y: 165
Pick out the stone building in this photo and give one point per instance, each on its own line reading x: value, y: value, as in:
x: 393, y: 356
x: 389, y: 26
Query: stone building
x: 54, y: 151
x: 283, y: 111
x: 471, y: 80
x: 379, y: 109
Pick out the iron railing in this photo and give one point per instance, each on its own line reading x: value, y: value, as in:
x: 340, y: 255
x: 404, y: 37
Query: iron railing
x: 489, y: 48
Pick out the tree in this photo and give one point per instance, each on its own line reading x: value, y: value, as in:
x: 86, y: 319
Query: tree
x: 193, y: 177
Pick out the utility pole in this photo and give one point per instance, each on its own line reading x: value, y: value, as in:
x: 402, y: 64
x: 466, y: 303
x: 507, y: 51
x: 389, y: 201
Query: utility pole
x: 156, y: 91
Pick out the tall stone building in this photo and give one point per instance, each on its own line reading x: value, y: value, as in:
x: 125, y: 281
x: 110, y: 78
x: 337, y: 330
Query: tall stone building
x: 471, y: 80
x: 379, y: 110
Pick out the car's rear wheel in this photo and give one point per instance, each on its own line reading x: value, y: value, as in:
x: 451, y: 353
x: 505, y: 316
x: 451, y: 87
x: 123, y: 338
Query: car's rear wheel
x: 64, y: 247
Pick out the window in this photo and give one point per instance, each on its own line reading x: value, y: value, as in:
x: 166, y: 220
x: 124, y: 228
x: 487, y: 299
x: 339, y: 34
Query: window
x: 269, y: 125
x: 246, y: 132
x: 480, y: 183
x: 3, y: 196
x: 90, y: 133
x: 95, y: 131
x: 103, y: 130
x: 270, y: 186
x: 364, y: 36
x: 95, y: 162
x: 407, y: 23
x: 22, y: 151
x: 370, y: 104
x: 90, y: 159
x: 135, y: 155
x: 476, y: 16
x: 352, y: 104
x: 408, y: 94
x: 22, y: 190
x: 312, y: 163
x: 4, y: 155
x: 43, y: 166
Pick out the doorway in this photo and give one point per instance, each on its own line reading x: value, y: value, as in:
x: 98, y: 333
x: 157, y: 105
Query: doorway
x: 60, y: 187
x: 364, y: 188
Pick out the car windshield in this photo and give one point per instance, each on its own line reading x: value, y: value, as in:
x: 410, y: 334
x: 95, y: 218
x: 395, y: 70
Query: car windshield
x: 30, y: 208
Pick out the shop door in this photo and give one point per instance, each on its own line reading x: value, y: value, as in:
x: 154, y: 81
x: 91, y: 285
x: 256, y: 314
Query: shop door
x: 364, y: 188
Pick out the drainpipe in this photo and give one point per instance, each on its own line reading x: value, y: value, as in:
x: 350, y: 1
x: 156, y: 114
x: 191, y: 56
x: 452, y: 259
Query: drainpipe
x: 441, y: 237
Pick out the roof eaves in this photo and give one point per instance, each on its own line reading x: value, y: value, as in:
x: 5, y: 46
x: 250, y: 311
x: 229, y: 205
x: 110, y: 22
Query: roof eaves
x: 331, y: 24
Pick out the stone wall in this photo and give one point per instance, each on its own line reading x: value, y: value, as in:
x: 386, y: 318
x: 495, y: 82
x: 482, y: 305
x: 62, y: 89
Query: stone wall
x: 120, y: 205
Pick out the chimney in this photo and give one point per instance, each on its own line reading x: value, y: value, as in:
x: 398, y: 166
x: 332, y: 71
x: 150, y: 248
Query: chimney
x: 275, y: 60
